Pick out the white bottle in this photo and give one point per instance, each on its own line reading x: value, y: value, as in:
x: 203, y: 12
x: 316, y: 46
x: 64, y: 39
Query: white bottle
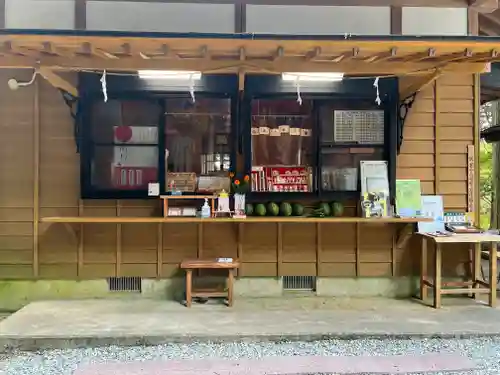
x: 205, y: 210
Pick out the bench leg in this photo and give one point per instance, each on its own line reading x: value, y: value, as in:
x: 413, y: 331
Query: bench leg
x: 493, y: 275
x: 189, y: 287
x: 423, y: 270
x: 230, y: 288
x: 437, y: 277
x: 477, y: 268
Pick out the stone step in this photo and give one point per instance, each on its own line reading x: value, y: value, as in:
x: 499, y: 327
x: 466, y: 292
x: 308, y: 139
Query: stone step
x: 403, y: 364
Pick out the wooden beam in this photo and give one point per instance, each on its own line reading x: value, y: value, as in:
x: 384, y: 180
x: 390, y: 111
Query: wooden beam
x: 80, y: 14
x: 286, y: 64
x: 382, y: 56
x: 419, y: 56
x: 472, y: 22
x: 484, y: 6
x: 409, y: 3
x: 396, y: 20
x: 421, y: 84
x: 312, y: 55
x: 89, y: 49
x: 57, y: 81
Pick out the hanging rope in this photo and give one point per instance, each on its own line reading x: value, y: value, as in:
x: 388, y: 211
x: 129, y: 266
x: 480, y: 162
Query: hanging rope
x: 297, y: 86
x: 191, y: 87
x: 375, y: 84
x: 104, y: 86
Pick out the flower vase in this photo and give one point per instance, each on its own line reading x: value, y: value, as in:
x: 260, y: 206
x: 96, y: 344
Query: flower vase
x: 239, y: 205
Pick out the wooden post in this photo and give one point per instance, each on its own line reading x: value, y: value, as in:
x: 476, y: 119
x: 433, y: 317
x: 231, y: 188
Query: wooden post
x: 477, y: 105
x: 493, y: 275
x: 318, y: 249
x: 189, y: 286
x: 437, y: 140
x: 36, y: 178
x: 80, y: 241
x: 230, y: 287
x: 437, y: 276
x: 239, y: 250
x: 393, y: 251
x: 358, y: 235
x: 423, y: 270
x: 476, y: 268
x: 159, y: 251
x: 118, y: 242
x: 279, y: 250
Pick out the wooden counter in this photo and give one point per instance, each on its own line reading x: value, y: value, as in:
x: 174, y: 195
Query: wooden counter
x: 267, y: 246
x: 266, y: 219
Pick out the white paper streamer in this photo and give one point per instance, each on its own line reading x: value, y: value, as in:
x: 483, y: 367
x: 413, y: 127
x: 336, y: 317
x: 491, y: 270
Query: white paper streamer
x: 191, y: 88
x: 375, y: 84
x: 297, y: 85
x: 104, y: 86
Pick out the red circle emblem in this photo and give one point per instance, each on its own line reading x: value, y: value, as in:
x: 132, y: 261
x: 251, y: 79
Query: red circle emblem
x: 123, y: 133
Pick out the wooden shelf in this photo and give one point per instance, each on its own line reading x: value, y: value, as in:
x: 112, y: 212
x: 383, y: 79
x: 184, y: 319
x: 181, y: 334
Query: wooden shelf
x: 267, y: 219
x: 188, y: 196
x: 271, y: 196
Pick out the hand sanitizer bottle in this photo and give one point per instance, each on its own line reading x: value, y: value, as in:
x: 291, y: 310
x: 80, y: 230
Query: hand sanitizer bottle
x: 205, y: 210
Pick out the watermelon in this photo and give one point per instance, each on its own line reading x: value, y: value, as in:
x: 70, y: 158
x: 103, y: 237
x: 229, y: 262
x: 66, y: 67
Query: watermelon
x: 260, y: 210
x: 325, y: 207
x: 298, y: 209
x: 286, y: 209
x: 337, y: 209
x: 273, y: 209
x: 249, y: 209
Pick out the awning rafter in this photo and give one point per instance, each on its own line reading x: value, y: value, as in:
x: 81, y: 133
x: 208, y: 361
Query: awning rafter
x: 351, y: 56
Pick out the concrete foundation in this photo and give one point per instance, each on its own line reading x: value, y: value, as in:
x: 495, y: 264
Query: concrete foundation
x: 15, y: 294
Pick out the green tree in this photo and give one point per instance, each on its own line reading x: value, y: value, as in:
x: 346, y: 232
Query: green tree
x: 485, y: 182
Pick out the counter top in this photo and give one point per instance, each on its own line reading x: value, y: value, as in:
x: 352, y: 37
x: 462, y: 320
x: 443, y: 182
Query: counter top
x: 266, y: 219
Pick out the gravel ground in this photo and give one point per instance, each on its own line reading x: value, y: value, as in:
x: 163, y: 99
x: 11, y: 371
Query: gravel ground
x: 485, y: 352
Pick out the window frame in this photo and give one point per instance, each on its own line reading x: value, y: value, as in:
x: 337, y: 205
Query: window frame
x: 129, y: 87
x: 356, y: 90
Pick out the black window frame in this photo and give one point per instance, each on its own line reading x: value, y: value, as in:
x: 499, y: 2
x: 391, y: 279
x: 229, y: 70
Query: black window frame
x: 354, y: 89
x: 130, y: 87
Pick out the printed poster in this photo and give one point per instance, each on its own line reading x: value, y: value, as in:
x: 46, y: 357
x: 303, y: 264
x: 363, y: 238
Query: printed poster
x: 408, y: 198
x: 432, y: 207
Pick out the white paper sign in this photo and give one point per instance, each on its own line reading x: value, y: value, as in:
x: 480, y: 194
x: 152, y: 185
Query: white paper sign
x: 153, y: 189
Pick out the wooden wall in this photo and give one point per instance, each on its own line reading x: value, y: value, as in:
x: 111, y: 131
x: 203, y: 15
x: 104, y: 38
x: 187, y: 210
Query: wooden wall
x: 37, y: 130
x: 436, y: 135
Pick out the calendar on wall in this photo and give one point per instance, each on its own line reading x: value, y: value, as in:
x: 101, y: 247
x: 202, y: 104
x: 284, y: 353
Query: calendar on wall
x: 362, y: 127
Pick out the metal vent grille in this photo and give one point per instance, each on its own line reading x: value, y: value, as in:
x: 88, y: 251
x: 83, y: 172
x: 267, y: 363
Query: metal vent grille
x: 299, y: 283
x: 125, y: 284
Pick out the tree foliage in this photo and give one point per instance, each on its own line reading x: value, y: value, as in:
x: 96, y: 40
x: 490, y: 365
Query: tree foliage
x: 486, y: 116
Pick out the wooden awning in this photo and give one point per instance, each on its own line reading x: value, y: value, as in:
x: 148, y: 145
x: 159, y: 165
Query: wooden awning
x: 245, y: 53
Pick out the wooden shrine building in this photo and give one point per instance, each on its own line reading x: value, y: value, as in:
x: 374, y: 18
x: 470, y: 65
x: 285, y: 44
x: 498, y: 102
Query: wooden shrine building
x: 86, y: 124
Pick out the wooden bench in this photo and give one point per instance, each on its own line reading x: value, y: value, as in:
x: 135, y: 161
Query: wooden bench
x: 212, y: 264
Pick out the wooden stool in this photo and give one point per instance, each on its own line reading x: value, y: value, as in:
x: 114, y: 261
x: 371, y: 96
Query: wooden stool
x: 213, y: 264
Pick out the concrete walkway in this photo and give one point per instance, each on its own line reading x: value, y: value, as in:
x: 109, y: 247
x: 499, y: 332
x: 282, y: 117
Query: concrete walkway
x: 63, y: 324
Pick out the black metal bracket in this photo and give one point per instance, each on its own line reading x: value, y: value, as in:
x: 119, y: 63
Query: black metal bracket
x: 404, y: 108
x: 72, y: 102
